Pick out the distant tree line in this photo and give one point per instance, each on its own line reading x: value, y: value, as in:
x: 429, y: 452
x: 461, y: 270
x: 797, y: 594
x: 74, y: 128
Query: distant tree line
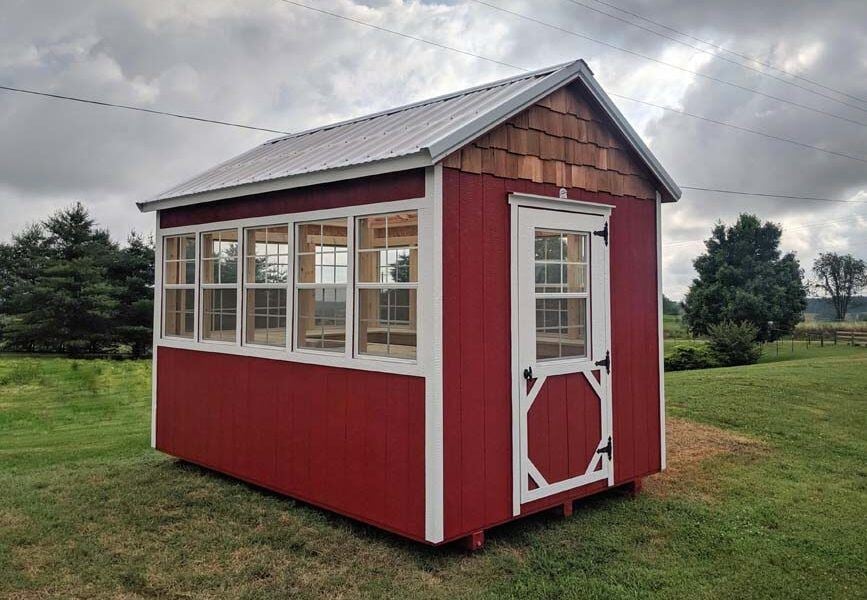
x: 65, y: 286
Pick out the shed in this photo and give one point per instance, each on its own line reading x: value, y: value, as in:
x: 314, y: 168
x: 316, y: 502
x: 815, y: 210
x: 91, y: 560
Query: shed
x: 434, y: 319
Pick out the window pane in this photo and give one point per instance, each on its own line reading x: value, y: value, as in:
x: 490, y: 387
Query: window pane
x: 267, y: 252
x: 322, y: 318
x: 266, y: 317
x: 561, y: 328
x: 219, y: 314
x: 388, y: 248
x: 387, y: 322
x: 220, y: 256
x: 322, y: 252
x: 178, y: 313
x: 560, y: 262
x: 179, y: 260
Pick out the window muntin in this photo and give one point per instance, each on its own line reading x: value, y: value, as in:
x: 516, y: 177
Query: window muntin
x: 266, y: 277
x: 219, y: 282
x: 387, y: 282
x: 179, y: 286
x: 321, y: 283
x: 561, y: 273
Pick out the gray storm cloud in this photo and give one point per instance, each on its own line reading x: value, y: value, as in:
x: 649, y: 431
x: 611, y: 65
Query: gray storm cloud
x: 270, y: 64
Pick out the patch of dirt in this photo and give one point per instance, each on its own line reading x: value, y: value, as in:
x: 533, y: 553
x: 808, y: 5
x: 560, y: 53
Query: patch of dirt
x: 691, y: 448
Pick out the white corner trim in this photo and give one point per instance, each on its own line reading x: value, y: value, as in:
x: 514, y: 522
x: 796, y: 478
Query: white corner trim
x: 158, y: 322
x: 516, y: 359
x: 662, y: 445
x: 434, y: 452
x: 561, y: 204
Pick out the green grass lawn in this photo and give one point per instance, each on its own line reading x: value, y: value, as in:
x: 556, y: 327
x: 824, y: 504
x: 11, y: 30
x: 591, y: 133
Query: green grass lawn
x: 766, y: 496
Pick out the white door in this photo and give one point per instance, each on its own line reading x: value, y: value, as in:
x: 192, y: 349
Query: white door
x: 561, y: 366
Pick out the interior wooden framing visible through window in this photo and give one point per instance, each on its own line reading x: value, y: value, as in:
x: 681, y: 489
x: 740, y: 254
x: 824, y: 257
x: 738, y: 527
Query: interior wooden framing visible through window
x: 348, y: 357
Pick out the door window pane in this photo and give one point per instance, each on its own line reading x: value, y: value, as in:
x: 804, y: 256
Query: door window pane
x: 219, y: 314
x: 560, y: 262
x: 387, y: 322
x: 322, y: 318
x: 178, y: 312
x: 266, y: 317
x: 561, y: 328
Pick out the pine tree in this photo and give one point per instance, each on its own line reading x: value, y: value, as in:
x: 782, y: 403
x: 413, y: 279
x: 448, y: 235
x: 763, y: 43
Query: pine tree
x: 133, y: 277
x: 743, y: 277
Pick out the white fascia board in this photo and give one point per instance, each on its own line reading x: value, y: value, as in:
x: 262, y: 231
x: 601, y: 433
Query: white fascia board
x: 392, y: 165
x: 631, y: 135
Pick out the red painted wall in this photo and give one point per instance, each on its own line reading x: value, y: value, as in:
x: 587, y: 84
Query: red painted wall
x: 401, y: 185
x: 477, y: 346
x: 351, y: 441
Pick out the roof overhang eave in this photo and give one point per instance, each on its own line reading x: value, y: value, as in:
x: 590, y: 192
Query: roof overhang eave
x: 416, y: 160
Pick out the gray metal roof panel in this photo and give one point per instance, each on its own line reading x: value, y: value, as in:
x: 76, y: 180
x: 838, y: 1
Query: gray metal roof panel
x: 431, y: 128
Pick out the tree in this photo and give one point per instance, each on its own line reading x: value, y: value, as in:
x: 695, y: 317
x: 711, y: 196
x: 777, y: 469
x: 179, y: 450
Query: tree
x: 840, y: 277
x: 743, y: 277
x: 132, y: 274
x: 669, y: 306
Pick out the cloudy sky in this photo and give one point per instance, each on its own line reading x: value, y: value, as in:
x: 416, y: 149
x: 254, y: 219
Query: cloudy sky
x: 275, y: 65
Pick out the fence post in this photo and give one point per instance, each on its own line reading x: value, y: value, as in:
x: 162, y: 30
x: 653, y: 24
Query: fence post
x: 852, y: 334
x: 822, y: 339
x: 793, y: 341
x: 835, y: 337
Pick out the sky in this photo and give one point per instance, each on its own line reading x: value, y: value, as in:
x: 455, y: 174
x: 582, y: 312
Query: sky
x: 271, y: 64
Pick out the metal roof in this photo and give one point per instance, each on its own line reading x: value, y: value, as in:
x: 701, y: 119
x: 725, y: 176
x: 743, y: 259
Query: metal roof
x: 414, y: 135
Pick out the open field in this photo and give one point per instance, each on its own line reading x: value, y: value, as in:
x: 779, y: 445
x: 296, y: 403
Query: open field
x: 764, y: 497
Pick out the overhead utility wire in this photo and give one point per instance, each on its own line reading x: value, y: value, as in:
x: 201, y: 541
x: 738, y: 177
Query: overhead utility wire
x: 739, y: 128
x: 524, y: 69
x: 138, y: 109
x: 667, y: 64
x: 738, y: 54
x: 740, y: 193
x: 717, y: 56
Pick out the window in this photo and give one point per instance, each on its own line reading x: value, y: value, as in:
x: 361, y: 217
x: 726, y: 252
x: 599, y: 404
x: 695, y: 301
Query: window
x: 266, y: 276
x: 561, y: 294
x: 322, y: 282
x: 179, y: 285
x: 219, y: 273
x: 387, y: 282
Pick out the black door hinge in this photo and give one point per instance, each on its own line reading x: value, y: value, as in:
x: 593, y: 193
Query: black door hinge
x: 528, y: 373
x: 607, y: 449
x: 605, y: 362
x: 603, y: 233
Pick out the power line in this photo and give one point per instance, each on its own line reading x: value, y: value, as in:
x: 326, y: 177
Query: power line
x: 738, y: 54
x: 716, y: 56
x: 764, y: 195
x: 739, y: 128
x: 524, y: 69
x: 401, y: 34
x: 137, y: 108
x: 667, y: 64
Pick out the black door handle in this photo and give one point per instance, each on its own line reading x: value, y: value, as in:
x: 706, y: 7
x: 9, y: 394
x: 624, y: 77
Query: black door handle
x: 528, y: 373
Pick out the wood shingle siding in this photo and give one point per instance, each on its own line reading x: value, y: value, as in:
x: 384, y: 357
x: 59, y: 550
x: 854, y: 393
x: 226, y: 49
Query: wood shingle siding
x: 561, y: 140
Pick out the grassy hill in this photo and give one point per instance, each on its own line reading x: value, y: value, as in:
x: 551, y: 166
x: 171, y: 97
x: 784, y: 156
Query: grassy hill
x: 764, y: 498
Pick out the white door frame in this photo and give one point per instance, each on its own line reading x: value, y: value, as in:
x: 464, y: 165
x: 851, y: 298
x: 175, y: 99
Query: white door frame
x: 549, y: 212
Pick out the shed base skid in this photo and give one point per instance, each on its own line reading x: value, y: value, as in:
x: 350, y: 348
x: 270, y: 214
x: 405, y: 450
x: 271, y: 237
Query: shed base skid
x: 474, y: 541
x: 634, y: 488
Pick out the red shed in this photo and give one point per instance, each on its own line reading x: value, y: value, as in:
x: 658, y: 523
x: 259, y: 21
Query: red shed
x: 434, y: 319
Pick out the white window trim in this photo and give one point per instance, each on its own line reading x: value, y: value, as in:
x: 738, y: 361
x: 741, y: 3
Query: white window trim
x: 201, y: 286
x: 425, y: 308
x: 161, y: 288
x: 350, y: 306
x: 245, y: 286
x: 370, y: 285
